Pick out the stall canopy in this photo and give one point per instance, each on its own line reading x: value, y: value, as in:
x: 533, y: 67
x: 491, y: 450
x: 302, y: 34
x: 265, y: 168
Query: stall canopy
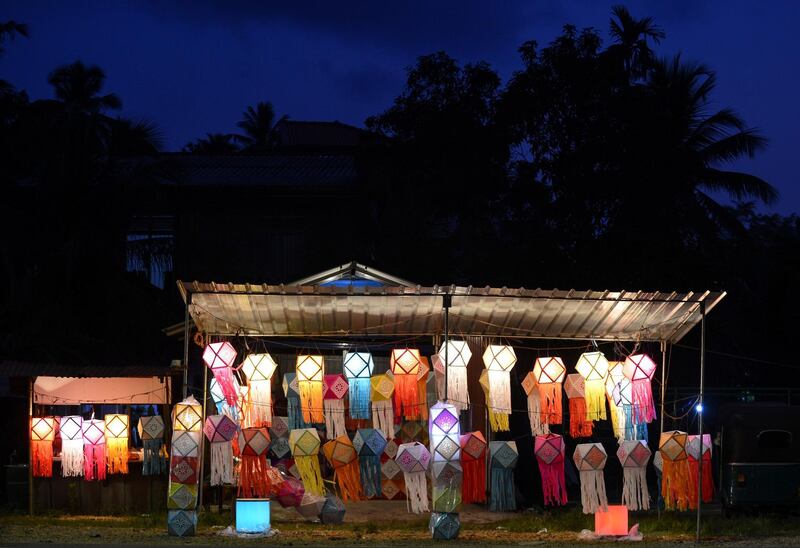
x: 111, y: 390
x: 355, y: 300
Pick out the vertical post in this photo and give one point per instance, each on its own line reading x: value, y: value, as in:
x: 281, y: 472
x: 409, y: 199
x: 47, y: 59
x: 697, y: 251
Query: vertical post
x: 447, y: 300
x: 700, y: 415
x: 202, y: 439
x: 30, y: 446
x: 186, y: 345
x: 663, y: 380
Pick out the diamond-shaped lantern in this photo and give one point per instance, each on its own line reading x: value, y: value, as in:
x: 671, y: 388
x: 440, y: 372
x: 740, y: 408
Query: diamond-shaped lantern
x: 499, y: 357
x: 185, y: 444
x: 575, y: 386
x: 529, y: 383
x: 639, y: 367
x: 339, y: 451
x: 70, y: 427
x: 181, y: 496
x: 259, y: 367
x: 290, y: 493
x: 413, y: 457
x: 304, y: 442
x: 549, y: 370
x: 590, y: 456
x: 458, y: 353
x: 254, y: 441
x: 390, y: 469
x: 369, y: 441
x: 391, y: 449
x: 382, y: 387
x: 411, y: 431
x: 444, y: 526
x: 447, y: 472
x: 592, y: 366
x: 279, y: 428
x: 335, y: 386
x: 333, y: 511
x: 117, y: 426
x: 150, y: 428
x: 473, y: 446
x: 358, y: 365
x: 658, y: 462
x: 184, y: 470
x: 219, y: 355
x: 220, y: 428
x: 623, y: 393
x: 614, y: 376
x: 310, y: 368
x: 94, y: 431
x: 693, y: 446
x: 405, y: 361
x: 290, y: 386
x: 280, y: 448
x: 311, y: 505
x: 187, y: 416
x: 504, y: 454
x: 391, y: 488
x: 549, y: 448
x: 633, y: 453
x: 43, y: 429
x: 181, y: 523
x: 672, y: 445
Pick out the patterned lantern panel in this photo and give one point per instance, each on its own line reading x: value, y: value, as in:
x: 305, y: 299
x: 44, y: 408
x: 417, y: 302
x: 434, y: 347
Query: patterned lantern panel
x: 444, y: 526
x: 186, y: 444
x: 590, y: 460
x: 279, y: 428
x: 181, y: 496
x: 184, y: 470
x: 549, y: 451
x: 181, y: 523
x: 455, y: 356
x: 187, y: 416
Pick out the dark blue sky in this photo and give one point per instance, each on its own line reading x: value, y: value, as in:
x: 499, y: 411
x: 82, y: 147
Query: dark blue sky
x: 193, y: 66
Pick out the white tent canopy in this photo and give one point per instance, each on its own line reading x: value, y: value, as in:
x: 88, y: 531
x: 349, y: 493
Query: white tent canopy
x: 110, y: 390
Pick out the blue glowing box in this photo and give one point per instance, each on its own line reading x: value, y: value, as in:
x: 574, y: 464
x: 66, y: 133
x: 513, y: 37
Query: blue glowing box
x: 252, y: 515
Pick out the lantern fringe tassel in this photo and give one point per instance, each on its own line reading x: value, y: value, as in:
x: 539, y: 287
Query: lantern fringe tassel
x: 457, y: 388
x: 224, y: 377
x: 617, y: 419
x: 406, y: 396
x: 349, y: 482
x: 370, y: 467
x: 42, y: 459
x: 308, y: 466
x: 334, y: 418
x: 642, y: 396
x: 72, y: 458
x: 94, y: 462
x: 553, y: 485
x: 675, y: 485
x: 259, y: 395
x: 311, y: 401
x: 153, y: 464
x: 253, y: 477
x: 550, y: 402
x: 500, y: 388
x: 117, y: 455
x: 359, y: 397
x: 708, y: 482
x: 294, y: 414
x: 595, y: 395
x: 473, y: 488
x: 633, y: 430
x: 538, y: 428
x: 579, y: 426
x: 221, y: 463
x: 635, y: 495
x: 498, y: 421
x: 383, y: 417
x: 593, y: 491
x: 502, y: 495
x: 416, y: 493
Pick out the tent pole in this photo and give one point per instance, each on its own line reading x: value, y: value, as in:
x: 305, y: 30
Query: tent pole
x: 186, y: 345
x: 663, y: 379
x: 447, y: 300
x: 30, y: 446
x: 202, y: 440
x: 700, y: 415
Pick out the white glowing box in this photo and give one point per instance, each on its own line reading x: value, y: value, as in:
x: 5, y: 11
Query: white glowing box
x: 252, y: 516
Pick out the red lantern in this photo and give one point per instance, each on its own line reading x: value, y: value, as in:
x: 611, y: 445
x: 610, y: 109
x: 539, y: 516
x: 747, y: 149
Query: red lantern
x: 405, y: 364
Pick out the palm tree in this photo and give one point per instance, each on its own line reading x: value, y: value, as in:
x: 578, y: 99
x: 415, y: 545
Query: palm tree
x: 213, y: 144
x: 9, y: 30
x: 631, y: 37
x: 259, y: 127
x: 78, y: 87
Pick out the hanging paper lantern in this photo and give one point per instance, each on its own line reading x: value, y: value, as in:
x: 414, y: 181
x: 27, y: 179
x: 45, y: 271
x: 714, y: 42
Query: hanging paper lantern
x: 438, y: 373
x: 499, y: 361
x: 639, y: 369
x: 71, y: 429
x: 310, y: 372
x: 290, y: 493
x: 333, y: 511
x: 504, y: 457
x: 614, y: 377
x: 413, y: 458
x: 220, y: 430
x: 117, y: 434
x: 254, y: 478
x: 498, y: 421
x: 473, y: 462
x: 623, y: 398
x: 456, y: 361
x: 549, y: 373
x: 392, y: 485
x: 291, y: 389
x: 258, y: 369
x: 187, y: 416
x: 693, y: 451
x: 445, y: 446
x: 531, y: 388
x: 336, y: 387
x: 549, y: 451
x: 593, y: 367
x: 181, y: 523
x: 444, y: 525
x: 305, y: 445
x: 370, y: 444
x: 579, y: 425
x: 675, y: 486
x: 94, y: 449
x: 343, y: 459
x: 219, y: 357
x: 219, y: 399
x: 590, y: 459
x: 381, y: 390
x: 43, y: 432
x: 358, y: 367
x: 634, y: 455
x: 405, y: 364
x: 151, y: 431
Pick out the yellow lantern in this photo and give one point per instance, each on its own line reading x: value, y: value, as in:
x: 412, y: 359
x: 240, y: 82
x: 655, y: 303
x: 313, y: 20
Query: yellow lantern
x: 43, y: 432
x: 117, y: 434
x: 259, y: 368
x: 593, y: 367
x: 310, y: 372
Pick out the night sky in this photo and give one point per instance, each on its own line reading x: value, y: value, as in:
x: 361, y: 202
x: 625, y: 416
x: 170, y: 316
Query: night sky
x: 192, y: 67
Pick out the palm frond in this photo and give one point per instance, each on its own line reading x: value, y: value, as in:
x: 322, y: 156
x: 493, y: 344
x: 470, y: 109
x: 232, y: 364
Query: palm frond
x: 733, y: 147
x: 739, y: 186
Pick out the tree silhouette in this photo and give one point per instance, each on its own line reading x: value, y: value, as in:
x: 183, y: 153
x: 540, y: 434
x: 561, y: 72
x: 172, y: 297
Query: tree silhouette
x: 78, y: 87
x: 630, y: 36
x: 213, y: 144
x: 259, y: 128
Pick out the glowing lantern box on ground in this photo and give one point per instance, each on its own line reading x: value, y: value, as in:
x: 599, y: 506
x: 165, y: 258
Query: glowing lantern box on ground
x: 181, y: 523
x: 333, y: 511
x: 252, y: 516
x: 611, y: 522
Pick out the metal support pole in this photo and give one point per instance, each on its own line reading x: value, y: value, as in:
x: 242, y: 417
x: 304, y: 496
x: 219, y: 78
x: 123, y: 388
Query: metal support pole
x: 30, y: 446
x: 447, y: 300
x: 202, y: 439
x: 700, y: 415
x: 663, y: 380
x: 186, y: 345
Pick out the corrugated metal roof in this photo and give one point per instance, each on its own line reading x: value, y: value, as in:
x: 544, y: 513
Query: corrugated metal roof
x: 305, y: 310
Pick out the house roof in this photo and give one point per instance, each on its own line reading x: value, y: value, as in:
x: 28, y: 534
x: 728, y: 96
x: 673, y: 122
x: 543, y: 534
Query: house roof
x: 298, y: 133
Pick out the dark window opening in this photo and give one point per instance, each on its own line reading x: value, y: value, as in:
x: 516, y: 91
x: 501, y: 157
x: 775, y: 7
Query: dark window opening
x: 774, y: 439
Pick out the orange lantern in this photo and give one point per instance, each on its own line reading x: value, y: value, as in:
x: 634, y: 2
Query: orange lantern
x: 549, y: 373
x: 405, y: 365
x: 117, y: 434
x: 43, y: 432
x: 310, y: 372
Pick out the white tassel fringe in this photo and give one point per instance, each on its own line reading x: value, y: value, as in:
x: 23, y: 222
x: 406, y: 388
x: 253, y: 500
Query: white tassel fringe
x: 634, y: 489
x: 222, y: 463
x: 416, y: 493
x: 383, y: 418
x: 593, y: 491
x: 72, y: 458
x: 334, y: 418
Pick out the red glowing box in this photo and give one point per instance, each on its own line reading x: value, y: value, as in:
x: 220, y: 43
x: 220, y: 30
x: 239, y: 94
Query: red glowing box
x: 614, y: 522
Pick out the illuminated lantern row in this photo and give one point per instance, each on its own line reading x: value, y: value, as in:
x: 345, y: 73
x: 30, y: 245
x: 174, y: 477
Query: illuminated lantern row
x: 675, y: 482
x: 291, y: 389
x: 693, y: 453
x: 593, y: 367
x: 455, y: 356
x: 259, y: 369
x: 639, y: 369
x: 549, y: 373
x: 590, y: 459
x: 184, y: 466
x: 531, y: 388
x: 219, y: 357
x: 94, y: 449
x: 444, y: 433
x: 381, y: 390
x: 117, y: 434
x: 151, y: 431
x: 71, y: 431
x: 310, y: 372
x: 504, y: 455
x: 370, y: 443
x: 358, y: 367
x: 634, y: 455
x: 473, y: 462
x: 220, y: 430
x: 499, y: 361
x: 579, y: 425
x: 335, y: 389
x: 614, y: 377
x: 254, y: 474
x: 549, y: 451
x: 43, y: 432
x: 405, y: 366
x: 498, y: 422
x: 414, y: 458
x: 342, y: 456
x: 305, y: 444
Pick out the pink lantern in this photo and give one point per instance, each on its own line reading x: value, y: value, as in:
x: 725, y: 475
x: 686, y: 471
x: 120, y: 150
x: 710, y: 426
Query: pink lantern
x: 639, y: 369
x: 219, y: 357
